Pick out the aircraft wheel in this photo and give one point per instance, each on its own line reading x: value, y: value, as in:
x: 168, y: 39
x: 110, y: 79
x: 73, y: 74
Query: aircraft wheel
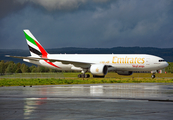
x: 80, y: 75
x: 153, y: 76
x: 87, y: 75
x: 83, y: 76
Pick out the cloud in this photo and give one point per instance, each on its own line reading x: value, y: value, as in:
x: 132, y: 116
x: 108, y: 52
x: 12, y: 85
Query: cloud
x: 56, y: 4
x: 105, y: 23
x: 61, y: 4
x: 9, y: 6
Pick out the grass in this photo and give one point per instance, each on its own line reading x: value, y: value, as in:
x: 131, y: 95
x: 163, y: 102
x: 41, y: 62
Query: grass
x: 134, y: 75
x: 34, y: 75
x: 53, y: 81
x: 70, y: 78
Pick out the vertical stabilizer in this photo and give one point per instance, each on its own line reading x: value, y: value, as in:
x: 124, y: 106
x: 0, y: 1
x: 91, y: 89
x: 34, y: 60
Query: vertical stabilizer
x: 35, y: 47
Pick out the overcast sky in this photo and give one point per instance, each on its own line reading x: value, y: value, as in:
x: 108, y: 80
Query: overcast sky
x: 87, y: 23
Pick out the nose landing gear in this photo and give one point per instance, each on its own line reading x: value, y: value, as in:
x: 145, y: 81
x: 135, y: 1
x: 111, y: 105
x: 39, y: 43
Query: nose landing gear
x: 153, y: 76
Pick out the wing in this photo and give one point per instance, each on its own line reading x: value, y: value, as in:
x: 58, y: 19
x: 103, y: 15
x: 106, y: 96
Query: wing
x: 75, y: 63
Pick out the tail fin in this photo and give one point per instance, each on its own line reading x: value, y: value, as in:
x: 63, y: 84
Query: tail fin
x: 34, y: 46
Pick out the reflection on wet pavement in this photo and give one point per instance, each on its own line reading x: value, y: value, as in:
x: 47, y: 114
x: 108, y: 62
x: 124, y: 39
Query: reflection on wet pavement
x: 92, y: 101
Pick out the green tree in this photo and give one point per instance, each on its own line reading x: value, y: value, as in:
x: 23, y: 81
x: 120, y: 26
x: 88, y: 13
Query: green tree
x: 52, y: 70
x: 10, y: 69
x: 2, y: 67
x: 40, y: 69
x: 18, y: 65
x: 33, y: 69
x: 46, y: 69
x: 169, y: 69
x: 18, y: 70
x: 24, y: 68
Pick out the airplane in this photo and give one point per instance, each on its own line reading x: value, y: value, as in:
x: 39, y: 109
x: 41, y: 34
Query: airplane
x: 97, y: 64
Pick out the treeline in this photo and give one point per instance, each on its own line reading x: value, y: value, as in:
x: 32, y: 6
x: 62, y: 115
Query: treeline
x: 169, y: 69
x: 11, y: 67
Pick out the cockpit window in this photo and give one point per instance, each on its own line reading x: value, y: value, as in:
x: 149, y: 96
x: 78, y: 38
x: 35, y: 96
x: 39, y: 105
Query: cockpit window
x: 161, y: 60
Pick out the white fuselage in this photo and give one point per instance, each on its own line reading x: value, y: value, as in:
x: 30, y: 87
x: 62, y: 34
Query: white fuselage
x: 118, y: 62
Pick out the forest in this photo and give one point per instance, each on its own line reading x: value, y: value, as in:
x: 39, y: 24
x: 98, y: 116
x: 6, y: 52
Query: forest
x: 11, y: 67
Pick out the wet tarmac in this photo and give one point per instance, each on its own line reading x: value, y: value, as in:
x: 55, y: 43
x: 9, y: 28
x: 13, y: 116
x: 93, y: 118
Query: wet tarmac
x: 143, y: 101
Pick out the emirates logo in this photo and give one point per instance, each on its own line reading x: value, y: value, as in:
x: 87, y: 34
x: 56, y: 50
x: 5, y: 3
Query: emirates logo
x: 97, y: 70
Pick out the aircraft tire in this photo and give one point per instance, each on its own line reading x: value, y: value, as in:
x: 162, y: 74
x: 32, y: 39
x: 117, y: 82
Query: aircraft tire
x: 80, y: 75
x: 153, y: 76
x: 83, y: 75
x: 87, y: 75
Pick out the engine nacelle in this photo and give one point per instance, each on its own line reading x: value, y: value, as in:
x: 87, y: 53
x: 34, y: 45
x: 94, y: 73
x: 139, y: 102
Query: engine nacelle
x: 99, y: 69
x: 124, y: 72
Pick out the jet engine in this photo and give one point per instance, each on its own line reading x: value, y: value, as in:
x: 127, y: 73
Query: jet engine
x: 124, y: 72
x: 99, y: 70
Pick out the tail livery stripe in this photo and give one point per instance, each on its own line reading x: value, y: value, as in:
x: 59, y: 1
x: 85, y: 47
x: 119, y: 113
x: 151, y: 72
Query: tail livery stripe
x: 50, y: 63
x: 32, y: 45
x: 30, y: 39
x: 34, y: 50
x: 43, y: 51
x: 44, y: 54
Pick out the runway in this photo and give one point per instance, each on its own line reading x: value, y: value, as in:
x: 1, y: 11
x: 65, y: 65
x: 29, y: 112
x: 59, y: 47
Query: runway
x: 89, y: 101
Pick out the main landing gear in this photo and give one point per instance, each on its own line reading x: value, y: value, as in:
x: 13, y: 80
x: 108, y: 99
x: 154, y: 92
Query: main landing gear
x: 83, y: 76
